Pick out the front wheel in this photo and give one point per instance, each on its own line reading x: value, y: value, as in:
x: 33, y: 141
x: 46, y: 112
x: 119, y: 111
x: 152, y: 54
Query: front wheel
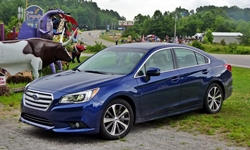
x: 213, y: 99
x: 117, y: 119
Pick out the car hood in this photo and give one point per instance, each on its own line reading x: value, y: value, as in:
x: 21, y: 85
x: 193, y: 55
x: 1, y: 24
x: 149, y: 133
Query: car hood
x: 69, y: 81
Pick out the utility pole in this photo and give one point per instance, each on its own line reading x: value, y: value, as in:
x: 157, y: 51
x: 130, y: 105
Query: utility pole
x: 175, y: 20
x: 26, y: 4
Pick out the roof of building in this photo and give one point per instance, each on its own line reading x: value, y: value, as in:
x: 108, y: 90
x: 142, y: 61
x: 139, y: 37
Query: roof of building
x: 227, y: 34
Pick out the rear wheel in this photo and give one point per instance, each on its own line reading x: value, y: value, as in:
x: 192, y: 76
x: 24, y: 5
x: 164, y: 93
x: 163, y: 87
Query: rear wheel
x: 213, y: 99
x: 117, y: 119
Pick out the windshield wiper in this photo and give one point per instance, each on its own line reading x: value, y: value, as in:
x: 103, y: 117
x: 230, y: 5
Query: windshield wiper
x: 76, y: 69
x: 92, y: 71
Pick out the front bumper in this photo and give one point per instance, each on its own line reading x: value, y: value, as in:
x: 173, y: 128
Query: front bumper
x: 61, y: 118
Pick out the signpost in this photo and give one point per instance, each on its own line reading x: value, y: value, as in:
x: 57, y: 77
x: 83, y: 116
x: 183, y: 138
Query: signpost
x: 32, y: 15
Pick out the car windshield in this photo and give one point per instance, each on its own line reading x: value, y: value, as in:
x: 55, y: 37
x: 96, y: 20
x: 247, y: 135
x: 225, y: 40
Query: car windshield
x: 113, y: 61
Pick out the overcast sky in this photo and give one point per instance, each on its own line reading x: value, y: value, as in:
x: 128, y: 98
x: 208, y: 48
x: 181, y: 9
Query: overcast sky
x: 130, y: 8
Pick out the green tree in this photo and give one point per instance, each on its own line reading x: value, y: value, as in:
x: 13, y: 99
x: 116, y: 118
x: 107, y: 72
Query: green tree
x: 209, y: 36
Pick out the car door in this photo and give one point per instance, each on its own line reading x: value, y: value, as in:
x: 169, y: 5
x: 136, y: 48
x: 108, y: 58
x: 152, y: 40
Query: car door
x: 161, y: 93
x: 193, y: 72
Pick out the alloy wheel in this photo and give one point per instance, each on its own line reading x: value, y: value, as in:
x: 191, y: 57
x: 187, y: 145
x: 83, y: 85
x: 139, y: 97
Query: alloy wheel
x: 214, y: 99
x: 116, y: 119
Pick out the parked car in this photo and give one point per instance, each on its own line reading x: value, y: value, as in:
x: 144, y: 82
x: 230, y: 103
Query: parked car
x: 124, y: 85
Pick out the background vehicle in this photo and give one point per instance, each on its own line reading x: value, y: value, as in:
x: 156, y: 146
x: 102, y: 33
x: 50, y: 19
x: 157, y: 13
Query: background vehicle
x: 127, y: 84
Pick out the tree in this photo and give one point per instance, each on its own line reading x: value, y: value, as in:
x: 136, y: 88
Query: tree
x: 209, y: 36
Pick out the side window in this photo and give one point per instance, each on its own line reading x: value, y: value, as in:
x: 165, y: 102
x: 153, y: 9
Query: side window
x: 201, y: 59
x: 185, y: 58
x: 162, y: 60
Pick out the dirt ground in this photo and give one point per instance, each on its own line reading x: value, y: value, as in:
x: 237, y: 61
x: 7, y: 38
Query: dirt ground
x: 15, y: 135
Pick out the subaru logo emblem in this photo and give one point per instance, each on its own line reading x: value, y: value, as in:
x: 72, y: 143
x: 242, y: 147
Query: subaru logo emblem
x: 35, y: 97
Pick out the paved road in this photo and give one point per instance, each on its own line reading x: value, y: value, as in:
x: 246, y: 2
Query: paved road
x: 89, y: 38
x: 235, y: 60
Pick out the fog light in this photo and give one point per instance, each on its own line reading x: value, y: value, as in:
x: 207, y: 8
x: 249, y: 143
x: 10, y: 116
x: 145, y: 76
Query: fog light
x: 77, y: 125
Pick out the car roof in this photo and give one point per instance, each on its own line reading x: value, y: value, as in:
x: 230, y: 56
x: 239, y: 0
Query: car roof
x: 149, y: 45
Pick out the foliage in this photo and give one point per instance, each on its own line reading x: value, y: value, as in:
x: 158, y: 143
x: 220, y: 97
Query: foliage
x: 85, y: 12
x: 217, y: 19
x: 222, y: 42
x: 226, y: 49
x: 209, y: 36
x: 197, y: 44
x: 95, y: 48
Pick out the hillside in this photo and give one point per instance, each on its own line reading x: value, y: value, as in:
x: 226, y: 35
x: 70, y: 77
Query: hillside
x: 86, y: 12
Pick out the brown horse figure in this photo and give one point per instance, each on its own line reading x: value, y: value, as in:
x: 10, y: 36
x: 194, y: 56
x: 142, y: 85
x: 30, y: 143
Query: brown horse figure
x: 30, y: 55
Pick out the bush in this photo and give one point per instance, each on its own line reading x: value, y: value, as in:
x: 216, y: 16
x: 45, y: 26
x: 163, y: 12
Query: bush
x: 4, y: 90
x: 197, y: 44
x: 222, y: 42
x: 233, y: 48
x: 96, y: 48
x: 209, y: 36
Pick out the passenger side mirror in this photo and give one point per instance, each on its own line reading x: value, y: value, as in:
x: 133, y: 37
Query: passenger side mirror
x: 153, y: 72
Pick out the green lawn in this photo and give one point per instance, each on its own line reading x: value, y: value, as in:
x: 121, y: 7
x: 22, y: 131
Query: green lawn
x: 227, y: 49
x: 232, y: 123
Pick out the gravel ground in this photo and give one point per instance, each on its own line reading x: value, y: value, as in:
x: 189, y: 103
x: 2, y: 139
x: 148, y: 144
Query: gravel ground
x: 146, y: 136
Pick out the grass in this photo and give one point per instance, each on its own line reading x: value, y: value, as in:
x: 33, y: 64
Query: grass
x: 227, y: 49
x: 111, y: 36
x: 232, y: 123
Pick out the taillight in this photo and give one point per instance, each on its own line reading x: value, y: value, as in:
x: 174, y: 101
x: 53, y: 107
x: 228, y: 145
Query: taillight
x: 228, y: 67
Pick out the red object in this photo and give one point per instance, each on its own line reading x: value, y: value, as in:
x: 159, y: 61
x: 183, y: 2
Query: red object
x: 80, y: 48
x: 228, y: 67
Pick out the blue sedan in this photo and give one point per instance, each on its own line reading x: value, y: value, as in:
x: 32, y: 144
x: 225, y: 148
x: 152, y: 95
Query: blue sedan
x: 124, y: 85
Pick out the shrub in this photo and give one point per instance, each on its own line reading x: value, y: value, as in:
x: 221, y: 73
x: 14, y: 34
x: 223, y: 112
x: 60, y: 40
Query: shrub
x: 4, y: 90
x: 222, y: 42
x: 209, y: 36
x: 233, y: 48
x: 197, y: 44
x: 96, y: 48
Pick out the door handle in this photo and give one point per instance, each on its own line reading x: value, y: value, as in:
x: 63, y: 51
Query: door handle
x: 205, y: 71
x: 175, y: 79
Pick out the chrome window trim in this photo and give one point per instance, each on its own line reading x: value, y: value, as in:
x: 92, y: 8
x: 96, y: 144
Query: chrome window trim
x: 52, y: 98
x: 169, y: 48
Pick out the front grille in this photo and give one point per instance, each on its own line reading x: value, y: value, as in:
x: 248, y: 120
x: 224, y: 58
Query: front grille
x: 37, y: 100
x: 36, y: 119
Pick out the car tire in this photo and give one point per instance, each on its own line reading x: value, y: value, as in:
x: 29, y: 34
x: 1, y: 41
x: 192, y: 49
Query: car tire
x: 116, y: 125
x: 213, y: 99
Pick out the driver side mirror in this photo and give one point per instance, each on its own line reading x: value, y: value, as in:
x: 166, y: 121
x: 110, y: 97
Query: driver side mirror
x: 153, y: 72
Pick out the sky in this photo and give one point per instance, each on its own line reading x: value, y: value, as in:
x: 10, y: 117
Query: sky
x: 131, y: 8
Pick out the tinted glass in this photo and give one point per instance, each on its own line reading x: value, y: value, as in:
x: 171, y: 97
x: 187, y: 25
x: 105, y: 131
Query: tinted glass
x: 185, y: 58
x: 113, y: 61
x: 162, y: 60
x: 201, y: 59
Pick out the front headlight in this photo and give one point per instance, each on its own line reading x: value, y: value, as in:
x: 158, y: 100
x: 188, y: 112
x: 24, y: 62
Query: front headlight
x: 80, y: 97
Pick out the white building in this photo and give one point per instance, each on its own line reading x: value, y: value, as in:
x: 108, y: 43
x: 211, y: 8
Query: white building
x: 228, y: 37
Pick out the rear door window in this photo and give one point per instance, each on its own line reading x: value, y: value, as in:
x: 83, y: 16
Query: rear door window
x: 185, y: 58
x: 201, y: 59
